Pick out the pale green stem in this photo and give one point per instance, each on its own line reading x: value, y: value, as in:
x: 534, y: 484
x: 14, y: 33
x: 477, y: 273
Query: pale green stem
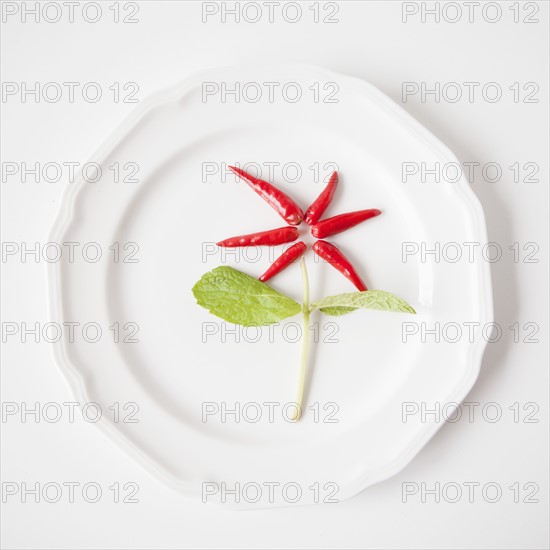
x: 305, y: 342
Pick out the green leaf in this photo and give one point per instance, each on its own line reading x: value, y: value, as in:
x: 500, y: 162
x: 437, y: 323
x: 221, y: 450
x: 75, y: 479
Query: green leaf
x: 238, y: 298
x: 370, y: 299
x: 336, y: 311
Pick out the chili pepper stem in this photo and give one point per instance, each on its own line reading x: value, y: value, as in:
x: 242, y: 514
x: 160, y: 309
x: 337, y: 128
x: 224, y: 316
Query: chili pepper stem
x: 305, y: 344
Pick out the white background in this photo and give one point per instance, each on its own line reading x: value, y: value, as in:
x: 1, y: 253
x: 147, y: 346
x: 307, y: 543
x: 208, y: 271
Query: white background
x: 370, y: 41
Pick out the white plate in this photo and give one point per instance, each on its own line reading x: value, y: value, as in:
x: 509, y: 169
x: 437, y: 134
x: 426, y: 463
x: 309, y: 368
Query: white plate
x: 369, y: 372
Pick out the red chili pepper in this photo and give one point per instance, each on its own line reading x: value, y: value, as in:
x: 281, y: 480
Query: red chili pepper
x: 284, y: 260
x: 316, y: 210
x: 335, y: 258
x: 278, y: 200
x: 337, y: 224
x: 272, y: 237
